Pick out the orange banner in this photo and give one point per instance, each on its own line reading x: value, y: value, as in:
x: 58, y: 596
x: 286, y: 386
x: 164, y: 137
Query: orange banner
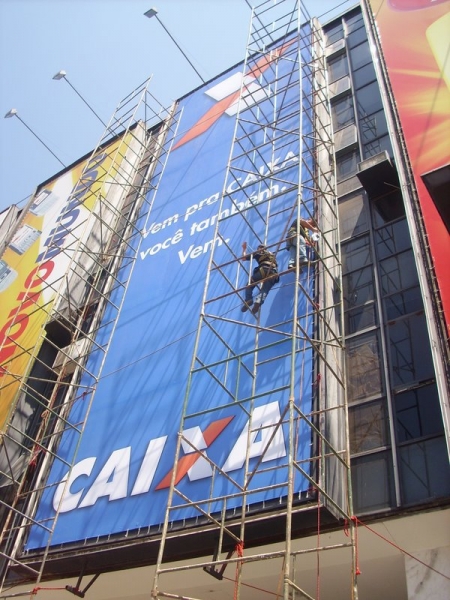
x: 415, y: 38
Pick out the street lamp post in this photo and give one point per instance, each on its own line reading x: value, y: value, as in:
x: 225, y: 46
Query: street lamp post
x: 154, y: 13
x: 13, y: 113
x: 63, y: 75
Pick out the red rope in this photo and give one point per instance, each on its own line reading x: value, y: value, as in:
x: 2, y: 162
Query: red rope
x: 37, y: 589
x: 401, y: 549
x: 239, y: 549
x: 36, y: 451
x: 355, y: 521
x: 358, y: 521
x: 254, y: 587
x: 318, y: 536
x: 347, y: 533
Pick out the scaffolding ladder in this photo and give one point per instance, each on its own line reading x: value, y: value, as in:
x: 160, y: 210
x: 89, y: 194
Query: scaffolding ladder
x: 76, y: 311
x: 280, y: 370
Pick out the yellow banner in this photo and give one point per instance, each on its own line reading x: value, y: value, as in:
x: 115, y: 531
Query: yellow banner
x: 35, y: 262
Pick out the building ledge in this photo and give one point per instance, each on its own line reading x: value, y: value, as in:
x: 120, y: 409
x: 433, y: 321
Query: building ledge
x: 437, y: 183
x: 377, y: 175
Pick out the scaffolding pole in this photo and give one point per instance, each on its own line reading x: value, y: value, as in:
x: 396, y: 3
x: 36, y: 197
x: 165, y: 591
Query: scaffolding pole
x: 94, y: 244
x: 291, y: 359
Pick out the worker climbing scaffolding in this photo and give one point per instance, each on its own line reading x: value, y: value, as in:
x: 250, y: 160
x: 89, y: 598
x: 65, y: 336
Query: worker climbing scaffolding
x: 265, y: 274
x: 291, y: 241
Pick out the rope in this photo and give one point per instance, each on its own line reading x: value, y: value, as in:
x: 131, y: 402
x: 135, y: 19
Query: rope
x: 239, y: 549
x: 318, y: 537
x: 346, y: 531
x: 254, y: 587
x: 37, y: 589
x: 399, y: 548
x: 358, y: 572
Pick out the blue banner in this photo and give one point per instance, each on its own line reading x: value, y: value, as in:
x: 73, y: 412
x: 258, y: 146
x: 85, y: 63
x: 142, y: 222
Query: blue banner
x: 125, y: 459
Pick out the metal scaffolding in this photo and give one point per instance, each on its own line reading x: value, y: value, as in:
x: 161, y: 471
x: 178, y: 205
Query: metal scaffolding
x: 280, y: 370
x: 96, y: 239
x: 290, y: 362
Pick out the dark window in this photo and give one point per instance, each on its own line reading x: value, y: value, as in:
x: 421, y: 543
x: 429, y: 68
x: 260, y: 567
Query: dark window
x: 410, y: 351
x: 342, y: 112
x: 357, y: 319
x: 368, y: 100
x: 346, y: 165
x: 363, y: 367
x: 363, y: 76
x: 368, y: 427
x: 403, y: 303
x: 423, y: 465
x: 353, y: 216
x: 360, y: 55
x: 388, y: 208
x: 372, y: 482
x: 354, y: 22
x: 424, y: 470
x: 337, y: 68
x: 373, y: 126
x: 358, y: 300
x: 398, y: 273
x: 356, y: 254
x: 392, y: 239
x: 334, y: 33
x: 357, y: 35
x: 418, y: 414
x: 358, y: 287
x: 377, y: 146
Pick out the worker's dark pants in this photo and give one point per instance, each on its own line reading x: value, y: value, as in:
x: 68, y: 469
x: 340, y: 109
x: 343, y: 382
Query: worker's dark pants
x: 268, y: 278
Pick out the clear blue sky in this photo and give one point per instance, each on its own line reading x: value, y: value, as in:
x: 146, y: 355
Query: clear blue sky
x: 107, y: 48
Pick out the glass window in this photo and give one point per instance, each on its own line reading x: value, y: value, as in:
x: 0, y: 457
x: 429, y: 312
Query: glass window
x: 357, y: 319
x: 373, y: 126
x: 410, y: 351
x: 346, y: 165
x: 358, y: 287
x: 368, y: 427
x: 424, y: 470
x: 357, y: 35
x: 360, y: 55
x: 353, y: 215
x: 363, y: 76
x: 342, y: 112
x: 403, y: 303
x: 363, y: 367
x: 368, y: 100
x: 354, y: 22
x: 337, y: 68
x: 372, y: 482
x: 418, y: 413
x: 334, y: 33
x: 388, y: 208
x: 356, y: 254
x: 376, y: 146
x: 358, y: 291
x: 398, y: 273
x: 392, y: 239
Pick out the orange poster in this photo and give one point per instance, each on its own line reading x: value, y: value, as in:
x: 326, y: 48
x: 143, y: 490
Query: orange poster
x: 415, y: 40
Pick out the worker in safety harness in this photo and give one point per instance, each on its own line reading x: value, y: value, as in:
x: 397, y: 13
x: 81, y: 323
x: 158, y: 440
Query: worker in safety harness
x: 265, y: 273
x: 291, y: 241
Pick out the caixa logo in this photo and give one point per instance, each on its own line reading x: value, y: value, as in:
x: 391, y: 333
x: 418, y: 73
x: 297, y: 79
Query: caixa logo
x: 265, y: 439
x: 237, y: 87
